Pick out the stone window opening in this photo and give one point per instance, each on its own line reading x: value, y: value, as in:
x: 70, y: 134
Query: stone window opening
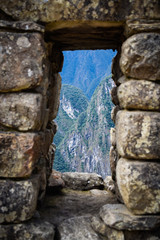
x: 88, y: 109
x: 32, y: 38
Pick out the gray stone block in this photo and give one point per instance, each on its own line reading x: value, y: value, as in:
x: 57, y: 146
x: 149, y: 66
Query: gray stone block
x: 138, y: 135
x: 141, y: 94
x: 22, y: 61
x: 22, y: 111
x: 140, y: 58
x: 139, y: 185
x: 18, y: 199
x: 118, y: 217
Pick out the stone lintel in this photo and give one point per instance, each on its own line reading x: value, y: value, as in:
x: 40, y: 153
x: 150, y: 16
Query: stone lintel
x: 89, y: 35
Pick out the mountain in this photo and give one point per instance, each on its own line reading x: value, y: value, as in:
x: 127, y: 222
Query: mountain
x: 72, y: 103
x: 84, y: 143
x: 85, y: 69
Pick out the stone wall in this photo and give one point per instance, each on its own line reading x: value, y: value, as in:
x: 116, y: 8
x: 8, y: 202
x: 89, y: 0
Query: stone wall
x: 134, y: 154
x: 30, y: 59
x: 29, y: 99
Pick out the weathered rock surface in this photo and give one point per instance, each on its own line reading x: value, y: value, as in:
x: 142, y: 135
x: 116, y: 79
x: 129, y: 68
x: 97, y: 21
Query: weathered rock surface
x: 141, y: 94
x: 140, y: 56
x: 114, y: 97
x: 55, y: 181
x: 114, y: 113
x: 24, y: 53
x: 113, y: 157
x: 49, y: 160
x: 82, y: 25
x: 77, y: 228
x: 22, y: 111
x: 48, y: 135
x: 139, y: 185
x: 141, y: 25
x: 113, y: 136
x: 56, y: 57
x: 18, y: 199
x: 34, y: 229
x: 109, y: 184
x: 22, y: 25
x: 109, y: 233
x: 69, y: 203
x: 82, y: 181
x: 116, y: 70
x: 51, y: 11
x: 54, y: 96
x: 117, y: 216
x: 19, y: 152
x: 138, y: 135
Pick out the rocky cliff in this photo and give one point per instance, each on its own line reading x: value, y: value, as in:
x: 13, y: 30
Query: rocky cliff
x: 86, y: 142
x: 85, y: 69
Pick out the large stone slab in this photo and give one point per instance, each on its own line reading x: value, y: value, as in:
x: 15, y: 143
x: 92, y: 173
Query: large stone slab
x: 19, y: 152
x: 22, y: 61
x: 139, y: 185
x: 82, y: 181
x: 140, y: 57
x: 141, y: 94
x: 18, y: 199
x: 51, y: 11
x: 138, y: 135
x: 22, y: 111
x: 77, y: 228
x: 109, y: 233
x: 35, y: 229
x: 118, y: 217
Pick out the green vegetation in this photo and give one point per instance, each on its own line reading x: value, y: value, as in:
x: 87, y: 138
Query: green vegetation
x: 75, y: 96
x: 92, y: 124
x: 81, y: 121
x: 60, y: 164
x: 79, y: 103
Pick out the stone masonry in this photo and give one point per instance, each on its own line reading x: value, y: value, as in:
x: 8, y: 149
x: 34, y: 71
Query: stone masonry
x: 33, y: 35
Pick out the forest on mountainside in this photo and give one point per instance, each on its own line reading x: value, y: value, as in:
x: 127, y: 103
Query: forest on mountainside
x: 84, y: 121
